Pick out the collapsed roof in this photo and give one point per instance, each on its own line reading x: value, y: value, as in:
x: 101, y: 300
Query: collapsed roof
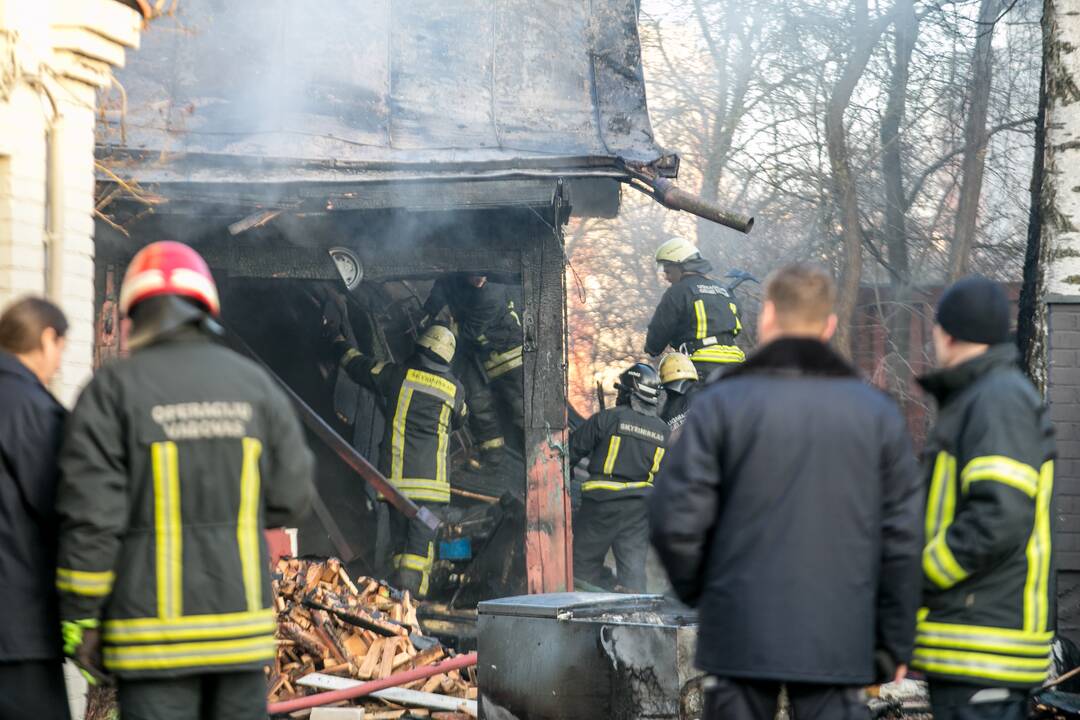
x: 380, y: 90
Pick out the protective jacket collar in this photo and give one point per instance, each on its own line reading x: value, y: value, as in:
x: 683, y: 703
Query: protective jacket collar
x: 796, y: 357
x: 947, y: 383
x: 697, y: 265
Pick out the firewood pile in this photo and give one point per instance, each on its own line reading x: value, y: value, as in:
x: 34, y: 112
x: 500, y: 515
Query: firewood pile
x: 363, y: 630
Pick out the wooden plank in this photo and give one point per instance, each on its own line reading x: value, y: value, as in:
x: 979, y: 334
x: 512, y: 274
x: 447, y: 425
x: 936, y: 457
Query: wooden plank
x: 399, y: 696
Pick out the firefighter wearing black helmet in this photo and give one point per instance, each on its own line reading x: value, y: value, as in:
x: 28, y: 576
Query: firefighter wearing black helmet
x: 422, y: 401
x: 625, y: 446
x: 697, y: 315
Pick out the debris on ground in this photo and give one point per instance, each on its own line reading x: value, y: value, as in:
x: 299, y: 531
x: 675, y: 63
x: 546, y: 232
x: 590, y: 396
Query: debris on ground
x: 362, y: 630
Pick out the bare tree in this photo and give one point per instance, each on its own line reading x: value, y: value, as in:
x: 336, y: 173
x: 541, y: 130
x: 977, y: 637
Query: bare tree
x: 975, y: 139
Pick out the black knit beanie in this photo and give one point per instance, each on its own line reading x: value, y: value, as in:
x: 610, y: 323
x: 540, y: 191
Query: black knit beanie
x: 975, y: 309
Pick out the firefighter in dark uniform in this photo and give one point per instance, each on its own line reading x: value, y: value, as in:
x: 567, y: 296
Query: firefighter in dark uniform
x: 697, y: 315
x: 678, y: 379
x: 422, y: 400
x: 983, y: 637
x: 625, y: 446
x: 490, y: 362
x: 175, y: 460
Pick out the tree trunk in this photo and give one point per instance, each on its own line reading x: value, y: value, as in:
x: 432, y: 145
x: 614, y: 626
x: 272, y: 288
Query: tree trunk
x: 899, y: 314
x: 1031, y: 320
x: 975, y: 138
x: 1059, y: 201
x: 845, y: 197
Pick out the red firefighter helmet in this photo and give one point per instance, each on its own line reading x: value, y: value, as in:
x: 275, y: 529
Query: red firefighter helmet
x: 168, y: 268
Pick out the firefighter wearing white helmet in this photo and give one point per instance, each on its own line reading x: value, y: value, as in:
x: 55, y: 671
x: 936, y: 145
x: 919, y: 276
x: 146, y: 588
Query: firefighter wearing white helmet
x: 678, y: 379
x: 697, y: 315
x: 423, y: 399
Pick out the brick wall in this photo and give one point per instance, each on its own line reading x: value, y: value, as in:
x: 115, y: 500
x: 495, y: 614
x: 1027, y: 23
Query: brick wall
x: 54, y: 56
x: 1064, y: 399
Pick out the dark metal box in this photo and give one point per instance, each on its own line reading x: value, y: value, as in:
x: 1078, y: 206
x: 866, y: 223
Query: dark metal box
x: 587, y: 655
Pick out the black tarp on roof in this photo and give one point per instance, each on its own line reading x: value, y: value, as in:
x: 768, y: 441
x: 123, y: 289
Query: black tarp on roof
x: 373, y: 89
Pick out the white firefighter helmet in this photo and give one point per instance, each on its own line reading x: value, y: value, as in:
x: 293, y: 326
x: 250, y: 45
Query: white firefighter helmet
x: 676, y: 250
x: 440, y: 340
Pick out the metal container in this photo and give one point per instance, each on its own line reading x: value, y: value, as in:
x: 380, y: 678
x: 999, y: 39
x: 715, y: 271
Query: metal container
x: 587, y: 656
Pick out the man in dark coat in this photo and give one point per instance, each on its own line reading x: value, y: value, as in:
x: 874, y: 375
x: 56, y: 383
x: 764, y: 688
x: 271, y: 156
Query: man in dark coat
x: 789, y: 513
x: 31, y: 427
x: 990, y: 473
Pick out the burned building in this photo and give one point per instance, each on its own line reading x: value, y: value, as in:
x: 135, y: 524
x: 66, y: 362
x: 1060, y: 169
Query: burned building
x: 362, y: 151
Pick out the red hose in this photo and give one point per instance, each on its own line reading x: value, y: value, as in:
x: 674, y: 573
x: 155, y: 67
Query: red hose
x: 402, y: 678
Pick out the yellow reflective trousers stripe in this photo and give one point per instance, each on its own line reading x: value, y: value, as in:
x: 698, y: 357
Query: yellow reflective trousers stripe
x: 702, y: 321
x: 187, y: 655
x: 83, y: 582
x: 192, y: 627
x: 612, y: 454
x: 247, y: 524
x: 168, y: 537
x: 499, y: 364
x: 420, y: 564
x: 1003, y: 470
x: 1037, y: 584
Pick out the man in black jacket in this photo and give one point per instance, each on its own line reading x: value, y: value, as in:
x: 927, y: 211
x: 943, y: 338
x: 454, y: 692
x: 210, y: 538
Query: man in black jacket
x: 696, y: 315
x: 788, y: 512
x: 31, y: 425
x: 984, y: 634
x: 625, y: 446
x: 175, y: 461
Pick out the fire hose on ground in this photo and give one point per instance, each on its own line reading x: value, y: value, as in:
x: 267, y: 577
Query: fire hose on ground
x: 402, y: 678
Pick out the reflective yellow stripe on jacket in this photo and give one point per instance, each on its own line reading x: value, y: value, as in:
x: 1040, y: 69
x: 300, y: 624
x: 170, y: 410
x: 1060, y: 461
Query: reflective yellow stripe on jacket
x: 192, y: 627
x: 188, y: 655
x: 247, y: 524
x: 1037, y: 584
x: 168, y: 531
x: 938, y: 561
x: 614, y: 485
x: 719, y: 354
x: 82, y: 582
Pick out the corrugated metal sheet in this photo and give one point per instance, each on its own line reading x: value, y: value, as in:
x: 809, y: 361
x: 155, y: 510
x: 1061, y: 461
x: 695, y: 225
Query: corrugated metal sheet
x: 368, y: 89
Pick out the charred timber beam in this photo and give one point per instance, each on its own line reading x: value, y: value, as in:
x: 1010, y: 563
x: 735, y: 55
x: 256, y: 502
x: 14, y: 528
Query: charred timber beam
x: 548, y: 543
x: 348, y: 454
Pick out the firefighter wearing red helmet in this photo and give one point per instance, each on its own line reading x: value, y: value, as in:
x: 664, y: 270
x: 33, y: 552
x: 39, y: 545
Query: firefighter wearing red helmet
x: 176, y: 459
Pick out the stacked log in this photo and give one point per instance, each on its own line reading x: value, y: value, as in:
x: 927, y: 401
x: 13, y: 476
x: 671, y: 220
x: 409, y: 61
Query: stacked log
x: 363, y: 629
